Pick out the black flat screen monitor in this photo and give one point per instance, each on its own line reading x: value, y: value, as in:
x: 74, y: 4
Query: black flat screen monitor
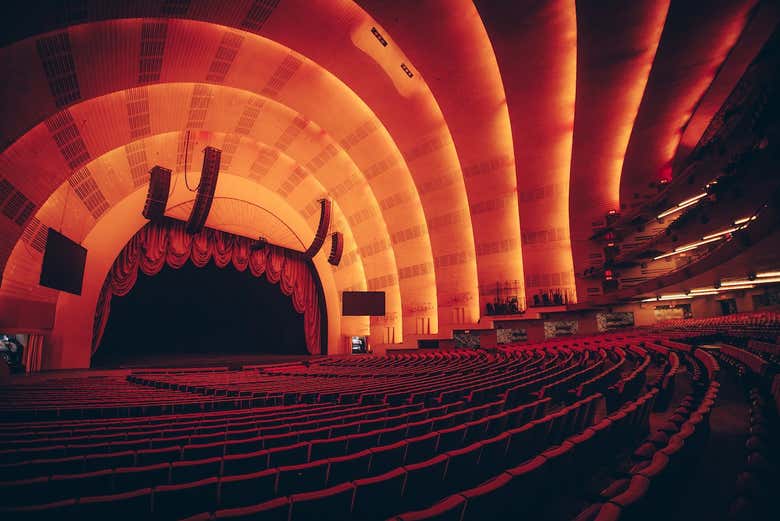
x: 63, y: 263
x: 363, y: 303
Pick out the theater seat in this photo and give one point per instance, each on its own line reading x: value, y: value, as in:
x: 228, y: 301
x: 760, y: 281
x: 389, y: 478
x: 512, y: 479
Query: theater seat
x: 134, y: 478
x: 65, y: 509
x: 421, y: 448
x: 290, y: 455
x: 247, y: 489
x: 332, y: 504
x: 348, y: 468
x: 244, y: 463
x: 379, y: 496
x: 461, y: 465
x: 387, y: 457
x: 489, y: 500
x: 423, y: 481
x: 178, y: 501
x: 301, y: 478
x: 189, y: 471
x: 96, y: 483
x: 274, y: 510
x: 136, y: 504
x: 450, y: 509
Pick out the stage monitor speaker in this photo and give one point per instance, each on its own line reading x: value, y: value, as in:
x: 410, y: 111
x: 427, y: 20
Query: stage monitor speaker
x: 336, y: 248
x: 157, y: 195
x: 322, y: 229
x: 206, y: 188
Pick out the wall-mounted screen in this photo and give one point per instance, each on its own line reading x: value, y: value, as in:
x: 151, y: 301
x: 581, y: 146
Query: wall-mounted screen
x: 63, y: 263
x: 363, y: 303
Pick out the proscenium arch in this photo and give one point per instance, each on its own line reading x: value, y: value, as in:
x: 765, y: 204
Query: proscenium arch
x: 77, y: 222
x: 172, y: 100
x: 437, y: 169
x: 71, y: 336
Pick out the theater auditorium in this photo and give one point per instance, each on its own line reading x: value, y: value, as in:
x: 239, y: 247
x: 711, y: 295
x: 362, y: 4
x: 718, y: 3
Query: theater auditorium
x: 358, y: 260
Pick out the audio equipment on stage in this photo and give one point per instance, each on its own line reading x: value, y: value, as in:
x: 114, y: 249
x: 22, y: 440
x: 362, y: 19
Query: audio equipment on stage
x: 322, y: 229
x: 206, y: 188
x: 336, y: 248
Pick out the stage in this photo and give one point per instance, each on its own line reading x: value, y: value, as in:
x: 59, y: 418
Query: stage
x: 192, y: 360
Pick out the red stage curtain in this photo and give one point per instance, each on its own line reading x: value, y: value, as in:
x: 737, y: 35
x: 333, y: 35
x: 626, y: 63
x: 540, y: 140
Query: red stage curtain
x: 158, y: 244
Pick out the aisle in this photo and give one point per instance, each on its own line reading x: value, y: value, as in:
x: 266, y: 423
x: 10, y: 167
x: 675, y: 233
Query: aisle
x: 710, y: 484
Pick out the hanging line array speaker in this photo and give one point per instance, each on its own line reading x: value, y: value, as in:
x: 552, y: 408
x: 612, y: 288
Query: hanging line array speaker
x: 157, y: 195
x: 206, y: 188
x: 336, y: 248
x: 322, y: 229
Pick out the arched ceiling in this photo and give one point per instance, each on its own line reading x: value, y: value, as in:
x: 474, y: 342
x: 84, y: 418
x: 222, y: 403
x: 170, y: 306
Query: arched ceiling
x: 465, y: 144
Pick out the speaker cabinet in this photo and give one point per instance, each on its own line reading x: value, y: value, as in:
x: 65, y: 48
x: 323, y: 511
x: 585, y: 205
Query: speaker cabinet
x: 206, y: 188
x: 322, y: 229
x: 336, y: 248
x: 157, y: 195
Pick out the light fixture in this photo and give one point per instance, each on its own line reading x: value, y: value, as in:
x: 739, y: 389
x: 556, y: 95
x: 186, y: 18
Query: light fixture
x: 688, y: 247
x: 680, y: 206
x: 768, y: 274
x: 745, y: 219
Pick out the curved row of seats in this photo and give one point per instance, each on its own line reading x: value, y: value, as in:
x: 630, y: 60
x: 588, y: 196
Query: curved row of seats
x: 364, y: 437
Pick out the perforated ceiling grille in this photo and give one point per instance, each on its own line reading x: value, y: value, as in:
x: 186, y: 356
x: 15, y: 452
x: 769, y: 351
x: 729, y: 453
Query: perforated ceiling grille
x: 258, y: 14
x: 14, y: 204
x: 265, y: 160
x: 153, y: 37
x: 138, y: 112
x: 290, y: 133
x: 66, y: 134
x: 223, y: 59
x: 88, y: 191
x: 281, y: 76
x: 35, y: 234
x: 60, y: 69
x: 199, y: 106
x: 139, y: 166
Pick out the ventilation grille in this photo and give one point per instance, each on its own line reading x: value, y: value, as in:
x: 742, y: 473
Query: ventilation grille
x: 359, y: 134
x: 295, y: 178
x: 546, y: 280
x: 380, y: 167
x: 258, y: 14
x: 88, y: 191
x: 35, y: 234
x: 361, y: 216
x: 136, y: 158
x: 322, y: 157
x: 262, y: 165
x: 496, y: 247
x: 384, y: 281
x: 249, y: 117
x: 68, y: 138
x: 418, y: 270
x: 229, y: 147
x: 60, y: 69
x: 544, y: 236
x: 14, y: 204
x: 281, y: 76
x: 407, y: 234
x: 152, y: 49
x: 138, y: 112
x: 290, y: 133
x: 223, y: 59
x: 452, y: 259
x: 199, y: 105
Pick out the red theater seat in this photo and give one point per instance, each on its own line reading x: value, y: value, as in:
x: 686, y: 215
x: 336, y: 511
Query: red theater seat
x: 332, y: 504
x: 178, y: 501
x: 247, y: 489
x: 274, y: 510
x: 379, y: 496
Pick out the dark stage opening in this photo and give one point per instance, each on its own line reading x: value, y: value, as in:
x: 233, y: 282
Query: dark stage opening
x: 200, y: 311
